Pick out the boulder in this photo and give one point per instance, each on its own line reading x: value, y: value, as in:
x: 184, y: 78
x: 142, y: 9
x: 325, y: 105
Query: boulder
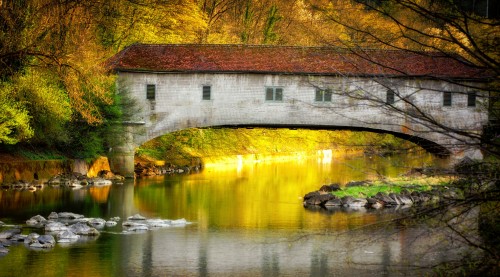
x: 101, y: 182
x: 67, y: 237
x: 116, y: 219
x: 384, y: 198
x: 66, y: 215
x: 36, y: 220
x: 3, y: 250
x: 136, y: 217
x: 97, y: 222
x: 311, y: 195
x: 357, y: 203
x: 110, y: 223
x: 158, y: 223
x: 31, y: 238
x: 396, y: 198
x: 405, y: 200
x: 374, y: 203
x: 53, y: 215
x: 130, y: 226
x: 336, y: 202
x: 83, y: 229
x: 55, y: 227
x: 325, y: 189
x: 334, y: 187
x: 44, y: 241
x: 178, y: 222
x: 1, y: 223
x: 18, y: 238
x: 7, y: 234
x: 320, y: 199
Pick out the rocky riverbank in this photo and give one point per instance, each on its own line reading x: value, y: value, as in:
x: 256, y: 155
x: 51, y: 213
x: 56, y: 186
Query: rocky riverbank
x: 385, y: 194
x: 324, y: 198
x: 67, y: 227
x: 68, y: 180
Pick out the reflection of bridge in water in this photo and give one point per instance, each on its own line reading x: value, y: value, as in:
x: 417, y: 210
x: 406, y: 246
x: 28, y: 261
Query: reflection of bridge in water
x: 417, y: 97
x: 386, y: 251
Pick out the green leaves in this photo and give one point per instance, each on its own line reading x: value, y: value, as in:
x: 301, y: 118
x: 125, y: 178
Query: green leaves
x: 14, y: 118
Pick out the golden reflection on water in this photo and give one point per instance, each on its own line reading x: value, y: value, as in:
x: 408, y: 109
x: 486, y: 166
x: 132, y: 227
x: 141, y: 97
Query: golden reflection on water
x: 248, y: 218
x: 264, y: 195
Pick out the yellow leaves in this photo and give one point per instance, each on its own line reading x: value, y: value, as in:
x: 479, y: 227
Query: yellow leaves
x: 41, y: 92
x: 14, y: 118
x: 166, y: 22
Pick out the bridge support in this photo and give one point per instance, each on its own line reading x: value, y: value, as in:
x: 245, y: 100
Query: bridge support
x: 460, y: 153
x: 121, y: 154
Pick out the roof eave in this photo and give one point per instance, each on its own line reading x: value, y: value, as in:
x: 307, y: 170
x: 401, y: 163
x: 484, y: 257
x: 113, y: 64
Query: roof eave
x: 364, y: 75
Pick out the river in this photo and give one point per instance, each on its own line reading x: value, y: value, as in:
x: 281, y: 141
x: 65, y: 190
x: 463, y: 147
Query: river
x: 246, y: 220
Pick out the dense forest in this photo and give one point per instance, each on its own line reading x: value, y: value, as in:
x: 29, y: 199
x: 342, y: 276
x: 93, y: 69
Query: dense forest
x: 56, y: 92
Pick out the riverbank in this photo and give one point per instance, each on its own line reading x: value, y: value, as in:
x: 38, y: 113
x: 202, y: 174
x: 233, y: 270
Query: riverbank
x: 418, y: 186
x: 15, y: 169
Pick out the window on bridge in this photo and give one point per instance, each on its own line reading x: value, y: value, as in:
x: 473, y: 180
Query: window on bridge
x: 447, y: 99
x: 390, y: 97
x: 150, y: 92
x: 471, y: 99
x: 274, y: 94
x: 206, y: 93
x: 323, y: 95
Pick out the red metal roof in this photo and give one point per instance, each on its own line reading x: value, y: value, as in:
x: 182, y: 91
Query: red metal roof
x: 289, y: 60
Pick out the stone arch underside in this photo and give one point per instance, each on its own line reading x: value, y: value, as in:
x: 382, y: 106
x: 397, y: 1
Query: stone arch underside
x: 431, y: 146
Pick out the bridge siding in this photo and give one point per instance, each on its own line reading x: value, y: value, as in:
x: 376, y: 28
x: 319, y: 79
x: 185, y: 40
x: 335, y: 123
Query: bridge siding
x: 239, y: 99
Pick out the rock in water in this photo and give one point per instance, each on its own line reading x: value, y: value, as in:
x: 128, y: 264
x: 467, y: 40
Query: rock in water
x: 67, y: 215
x: 53, y: 215
x: 83, y: 229
x: 36, y: 220
x: 44, y: 241
x: 136, y: 217
x: 3, y: 250
x: 111, y: 223
x: 97, y: 222
x: 67, y: 236
x: 7, y: 234
x: 31, y: 238
x: 55, y: 227
x: 178, y: 222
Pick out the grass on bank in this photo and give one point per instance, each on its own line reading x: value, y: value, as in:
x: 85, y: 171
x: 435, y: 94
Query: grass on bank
x: 394, y: 185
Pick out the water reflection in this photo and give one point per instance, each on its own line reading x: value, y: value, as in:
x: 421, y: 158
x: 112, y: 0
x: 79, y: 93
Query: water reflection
x: 249, y: 221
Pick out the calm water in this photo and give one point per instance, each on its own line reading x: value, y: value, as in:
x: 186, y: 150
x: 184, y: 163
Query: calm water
x: 248, y: 220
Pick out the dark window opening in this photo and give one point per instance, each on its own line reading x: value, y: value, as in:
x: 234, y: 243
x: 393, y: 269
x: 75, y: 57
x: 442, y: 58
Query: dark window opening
x: 471, y: 99
x: 151, y: 92
x: 447, y: 99
x: 323, y: 95
x: 390, y: 97
x: 274, y: 94
x: 207, y: 91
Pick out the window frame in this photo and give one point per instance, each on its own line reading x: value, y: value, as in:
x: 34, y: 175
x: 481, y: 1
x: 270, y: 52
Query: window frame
x: 324, y: 94
x: 275, y: 94
x: 472, y: 99
x: 150, y: 93
x: 447, y: 99
x: 203, y: 92
x: 390, y: 97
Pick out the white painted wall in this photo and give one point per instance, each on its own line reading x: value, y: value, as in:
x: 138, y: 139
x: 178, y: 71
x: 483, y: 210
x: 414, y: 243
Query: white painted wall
x: 240, y: 99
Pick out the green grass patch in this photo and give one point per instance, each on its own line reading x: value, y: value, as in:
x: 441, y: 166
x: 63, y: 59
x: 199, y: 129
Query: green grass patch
x: 396, y: 185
